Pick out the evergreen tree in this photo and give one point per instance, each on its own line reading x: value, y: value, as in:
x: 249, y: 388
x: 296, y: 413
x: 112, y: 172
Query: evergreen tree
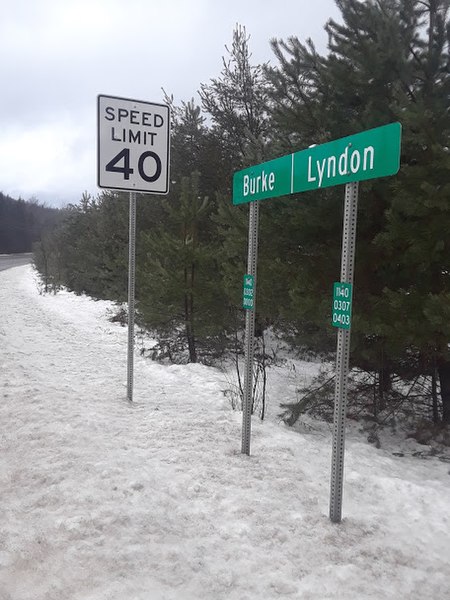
x: 236, y: 102
x: 22, y: 223
x: 194, y: 147
x: 181, y: 296
x: 415, y: 238
x: 388, y: 60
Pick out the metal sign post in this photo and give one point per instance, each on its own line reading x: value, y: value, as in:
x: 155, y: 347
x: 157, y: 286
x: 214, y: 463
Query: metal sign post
x: 342, y: 356
x: 250, y: 328
x: 131, y: 287
x: 366, y: 155
x: 133, y: 154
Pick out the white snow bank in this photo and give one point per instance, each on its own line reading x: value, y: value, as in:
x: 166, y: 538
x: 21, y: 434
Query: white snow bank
x: 104, y: 501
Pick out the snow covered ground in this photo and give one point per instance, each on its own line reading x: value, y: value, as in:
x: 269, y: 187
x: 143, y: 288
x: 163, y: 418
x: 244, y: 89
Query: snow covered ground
x: 101, y: 500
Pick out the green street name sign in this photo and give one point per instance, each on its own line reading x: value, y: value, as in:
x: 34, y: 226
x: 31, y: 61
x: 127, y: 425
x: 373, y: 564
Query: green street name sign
x: 248, y: 292
x: 366, y: 155
x: 342, y: 305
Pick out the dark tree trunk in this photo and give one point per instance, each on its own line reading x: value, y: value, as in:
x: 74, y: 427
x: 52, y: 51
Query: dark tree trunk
x: 444, y: 380
x: 434, y: 396
x: 191, y: 343
x: 189, y: 313
x: 384, y: 386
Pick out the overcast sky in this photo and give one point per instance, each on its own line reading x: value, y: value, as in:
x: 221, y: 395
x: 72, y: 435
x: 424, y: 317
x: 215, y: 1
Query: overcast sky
x: 57, y: 55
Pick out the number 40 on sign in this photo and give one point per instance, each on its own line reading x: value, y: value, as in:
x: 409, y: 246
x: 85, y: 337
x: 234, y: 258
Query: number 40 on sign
x: 342, y: 305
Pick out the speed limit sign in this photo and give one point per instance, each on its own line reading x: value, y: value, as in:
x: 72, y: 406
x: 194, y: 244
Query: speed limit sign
x: 133, y: 145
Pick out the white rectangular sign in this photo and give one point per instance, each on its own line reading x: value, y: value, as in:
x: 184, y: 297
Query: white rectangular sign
x: 133, y: 145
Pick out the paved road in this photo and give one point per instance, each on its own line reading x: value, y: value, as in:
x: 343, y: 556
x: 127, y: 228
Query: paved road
x: 14, y: 260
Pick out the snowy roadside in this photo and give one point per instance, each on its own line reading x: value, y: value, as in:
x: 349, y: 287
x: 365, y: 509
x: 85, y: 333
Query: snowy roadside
x: 101, y: 501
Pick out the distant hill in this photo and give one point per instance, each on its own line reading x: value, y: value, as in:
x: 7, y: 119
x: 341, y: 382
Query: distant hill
x: 22, y: 223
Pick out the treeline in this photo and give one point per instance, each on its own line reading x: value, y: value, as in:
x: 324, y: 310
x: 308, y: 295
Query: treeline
x: 387, y: 60
x: 22, y: 223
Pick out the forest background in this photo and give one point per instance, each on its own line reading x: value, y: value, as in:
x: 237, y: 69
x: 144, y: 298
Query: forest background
x: 387, y: 61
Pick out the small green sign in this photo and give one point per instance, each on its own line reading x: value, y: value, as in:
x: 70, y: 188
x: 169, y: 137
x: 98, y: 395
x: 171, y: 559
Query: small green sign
x: 366, y: 155
x: 342, y: 305
x: 248, y: 292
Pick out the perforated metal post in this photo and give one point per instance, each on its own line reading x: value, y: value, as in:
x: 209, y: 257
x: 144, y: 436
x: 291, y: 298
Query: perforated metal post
x: 250, y: 329
x: 131, y: 286
x: 342, y: 356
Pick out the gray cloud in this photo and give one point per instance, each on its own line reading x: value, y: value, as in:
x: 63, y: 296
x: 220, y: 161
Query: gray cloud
x: 59, y: 54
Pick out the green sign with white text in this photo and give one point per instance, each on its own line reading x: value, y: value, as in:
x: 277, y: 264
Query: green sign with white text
x: 248, y: 292
x: 366, y: 155
x: 342, y: 305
